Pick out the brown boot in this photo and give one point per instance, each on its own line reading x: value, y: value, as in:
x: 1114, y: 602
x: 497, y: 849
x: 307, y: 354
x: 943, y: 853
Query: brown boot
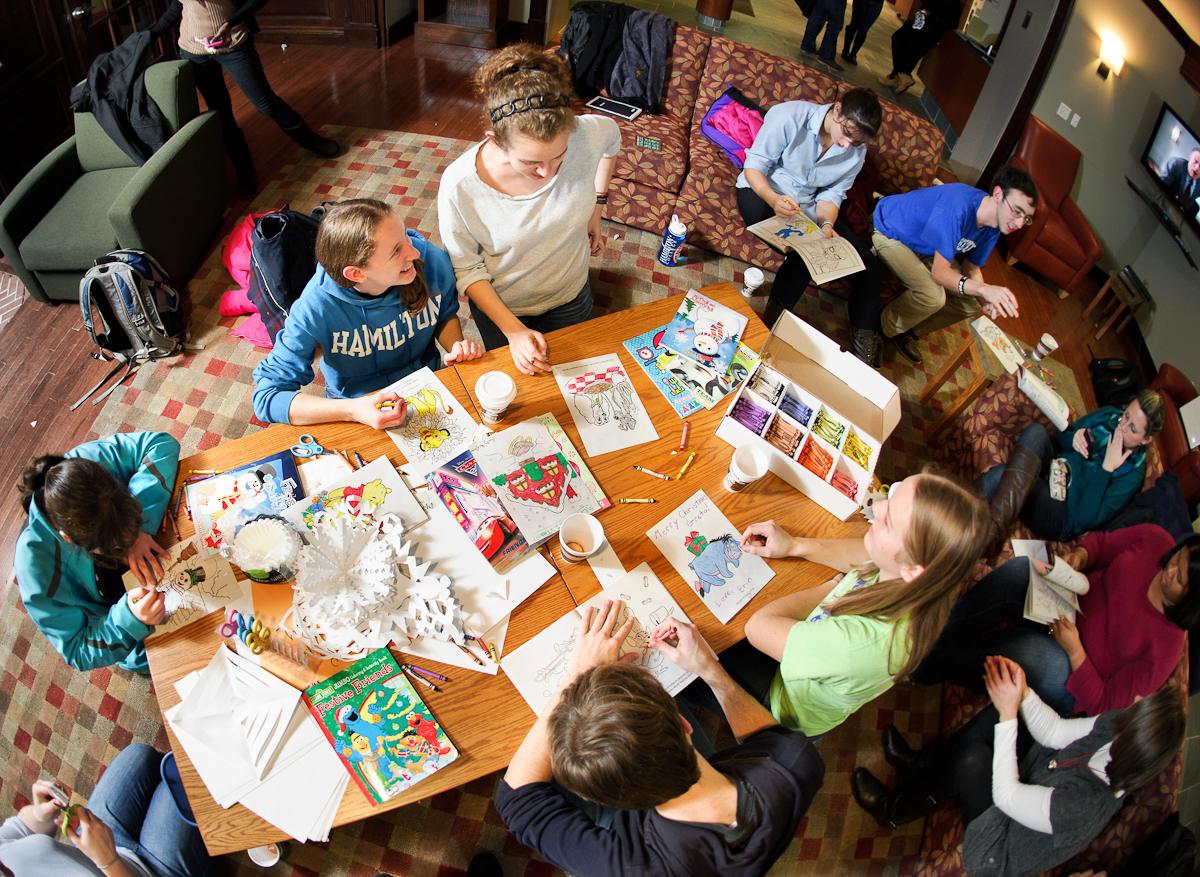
x: 1021, y: 472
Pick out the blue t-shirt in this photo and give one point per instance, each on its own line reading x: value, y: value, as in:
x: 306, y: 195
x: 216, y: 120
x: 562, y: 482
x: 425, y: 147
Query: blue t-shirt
x: 940, y: 219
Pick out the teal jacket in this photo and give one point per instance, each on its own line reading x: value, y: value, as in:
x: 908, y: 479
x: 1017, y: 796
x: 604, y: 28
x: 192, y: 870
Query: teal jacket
x: 1095, y: 497
x: 58, y: 579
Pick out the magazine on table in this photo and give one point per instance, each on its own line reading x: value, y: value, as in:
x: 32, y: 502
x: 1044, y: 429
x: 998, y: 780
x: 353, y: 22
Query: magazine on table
x: 827, y: 258
x: 706, y: 332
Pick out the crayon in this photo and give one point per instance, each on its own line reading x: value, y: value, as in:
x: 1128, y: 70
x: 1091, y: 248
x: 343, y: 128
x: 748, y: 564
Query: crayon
x: 495, y: 654
x: 652, y: 472
x: 425, y: 672
x: 631, y: 501
x: 205, y: 472
x: 683, y: 438
x: 413, y: 676
x: 683, y: 471
x: 470, y: 655
x: 358, y: 459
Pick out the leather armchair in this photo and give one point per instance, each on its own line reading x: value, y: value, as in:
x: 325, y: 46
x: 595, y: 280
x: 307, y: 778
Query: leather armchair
x: 1059, y: 244
x: 1176, y: 391
x: 88, y: 198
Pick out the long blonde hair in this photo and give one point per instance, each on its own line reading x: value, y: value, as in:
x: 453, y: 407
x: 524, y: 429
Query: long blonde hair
x: 945, y: 536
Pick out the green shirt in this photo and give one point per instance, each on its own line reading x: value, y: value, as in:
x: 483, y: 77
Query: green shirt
x: 832, y: 665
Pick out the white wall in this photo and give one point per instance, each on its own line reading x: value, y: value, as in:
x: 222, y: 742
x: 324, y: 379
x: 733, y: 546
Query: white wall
x: 1117, y: 119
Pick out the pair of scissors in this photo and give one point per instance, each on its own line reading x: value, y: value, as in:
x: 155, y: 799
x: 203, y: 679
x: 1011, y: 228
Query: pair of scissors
x: 253, y: 633
x: 308, y: 447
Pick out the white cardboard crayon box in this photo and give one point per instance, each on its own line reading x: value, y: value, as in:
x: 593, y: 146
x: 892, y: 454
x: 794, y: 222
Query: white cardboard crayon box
x: 819, y: 413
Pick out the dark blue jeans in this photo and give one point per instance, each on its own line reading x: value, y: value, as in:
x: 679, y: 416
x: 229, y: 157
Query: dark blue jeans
x: 132, y: 799
x: 862, y: 16
x: 246, y: 70
x: 1042, y: 513
x: 577, y: 310
x: 965, y: 641
x: 828, y: 14
x: 793, y: 276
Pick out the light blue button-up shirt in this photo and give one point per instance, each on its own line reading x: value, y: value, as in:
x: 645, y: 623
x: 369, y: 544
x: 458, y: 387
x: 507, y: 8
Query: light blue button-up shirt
x: 786, y: 152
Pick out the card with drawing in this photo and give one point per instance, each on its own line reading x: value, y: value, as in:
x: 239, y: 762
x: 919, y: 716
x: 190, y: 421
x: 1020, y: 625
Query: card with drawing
x: 194, y: 585
x: 705, y: 548
x: 436, y: 425
x: 706, y: 332
x: 225, y: 503
x: 533, y: 479
x: 537, y: 667
x: 606, y: 408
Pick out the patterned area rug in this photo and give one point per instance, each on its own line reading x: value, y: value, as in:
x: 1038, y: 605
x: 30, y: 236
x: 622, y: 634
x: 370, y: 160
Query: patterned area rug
x: 63, y: 724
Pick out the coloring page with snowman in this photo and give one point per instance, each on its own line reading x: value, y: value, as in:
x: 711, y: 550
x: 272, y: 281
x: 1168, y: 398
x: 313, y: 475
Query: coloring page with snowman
x: 193, y: 586
x: 606, y: 408
x: 705, y: 548
x: 706, y: 332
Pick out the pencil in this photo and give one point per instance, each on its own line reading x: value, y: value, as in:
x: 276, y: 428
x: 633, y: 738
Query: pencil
x: 470, y: 655
x: 624, y: 501
x: 425, y: 672
x: 413, y: 676
x: 652, y: 472
x: 683, y: 470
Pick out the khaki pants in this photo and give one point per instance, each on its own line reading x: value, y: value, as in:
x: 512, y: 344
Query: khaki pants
x: 925, y: 306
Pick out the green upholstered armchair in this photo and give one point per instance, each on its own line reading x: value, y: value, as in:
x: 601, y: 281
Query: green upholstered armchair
x: 88, y: 198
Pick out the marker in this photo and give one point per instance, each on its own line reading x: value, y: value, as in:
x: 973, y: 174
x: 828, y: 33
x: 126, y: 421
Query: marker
x: 652, y: 472
x: 470, y: 655
x: 425, y: 672
x: 624, y: 501
x: 683, y: 438
x: 415, y: 678
x: 683, y: 470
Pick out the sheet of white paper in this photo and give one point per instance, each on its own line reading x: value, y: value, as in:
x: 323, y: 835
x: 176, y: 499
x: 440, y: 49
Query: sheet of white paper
x: 1001, y: 345
x: 194, y: 586
x: 606, y: 565
x: 320, y: 471
x: 1030, y: 548
x: 378, y: 483
x: 705, y: 549
x: 536, y: 667
x: 438, y: 425
x: 606, y: 408
x: 539, y: 489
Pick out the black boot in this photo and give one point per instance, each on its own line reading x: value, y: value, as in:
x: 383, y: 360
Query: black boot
x: 1021, y: 472
x: 772, y: 312
x: 313, y: 142
x: 908, y: 764
x: 893, y: 809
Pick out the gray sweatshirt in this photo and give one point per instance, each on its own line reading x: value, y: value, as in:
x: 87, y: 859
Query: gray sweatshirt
x: 27, y: 854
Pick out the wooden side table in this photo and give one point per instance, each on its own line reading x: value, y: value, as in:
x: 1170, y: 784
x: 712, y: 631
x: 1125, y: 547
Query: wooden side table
x: 1125, y: 298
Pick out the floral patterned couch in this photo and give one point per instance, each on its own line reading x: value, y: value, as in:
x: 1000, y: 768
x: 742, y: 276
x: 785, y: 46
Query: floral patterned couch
x: 690, y: 176
x: 981, y: 439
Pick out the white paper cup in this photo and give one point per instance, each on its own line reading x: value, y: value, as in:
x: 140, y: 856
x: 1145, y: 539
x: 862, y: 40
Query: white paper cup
x: 1045, y: 346
x: 265, y: 856
x: 580, y: 537
x: 746, y: 466
x: 752, y: 280
x: 495, y: 392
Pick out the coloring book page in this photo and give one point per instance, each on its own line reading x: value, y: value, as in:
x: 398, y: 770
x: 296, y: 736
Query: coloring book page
x: 578, y: 466
x: 377, y: 483
x: 537, y: 667
x: 533, y: 479
x: 193, y: 586
x: 706, y: 550
x: 436, y: 425
x: 604, y: 405
x: 705, y: 331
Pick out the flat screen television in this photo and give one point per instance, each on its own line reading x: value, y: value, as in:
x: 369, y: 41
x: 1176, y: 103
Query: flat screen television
x: 1172, y: 156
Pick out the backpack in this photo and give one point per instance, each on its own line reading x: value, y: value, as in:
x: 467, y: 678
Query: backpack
x: 283, y: 258
x: 1116, y: 381
x: 130, y: 311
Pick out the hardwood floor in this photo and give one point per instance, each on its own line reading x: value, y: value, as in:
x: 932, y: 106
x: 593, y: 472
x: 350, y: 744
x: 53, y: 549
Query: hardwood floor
x: 418, y: 87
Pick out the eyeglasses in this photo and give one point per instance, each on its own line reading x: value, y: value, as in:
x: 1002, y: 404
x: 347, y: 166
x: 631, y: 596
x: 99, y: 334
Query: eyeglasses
x: 1017, y: 212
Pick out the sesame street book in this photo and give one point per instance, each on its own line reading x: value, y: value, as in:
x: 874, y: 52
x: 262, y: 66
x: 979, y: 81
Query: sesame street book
x: 379, y: 726
x: 223, y: 504
x: 705, y: 331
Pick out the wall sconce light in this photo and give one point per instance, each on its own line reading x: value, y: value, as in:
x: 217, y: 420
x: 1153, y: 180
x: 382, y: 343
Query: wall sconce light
x: 1112, y: 56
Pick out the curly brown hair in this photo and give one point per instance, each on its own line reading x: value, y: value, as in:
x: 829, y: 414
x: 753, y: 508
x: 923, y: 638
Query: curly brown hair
x: 526, y: 91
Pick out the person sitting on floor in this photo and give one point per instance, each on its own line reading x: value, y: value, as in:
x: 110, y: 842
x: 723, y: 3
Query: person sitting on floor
x: 804, y: 160
x: 816, y: 656
x: 130, y: 828
x: 85, y: 509
x: 920, y: 234
x: 380, y: 298
x: 1124, y: 643
x: 1032, y: 795
x: 607, y: 781
x: 1105, y: 457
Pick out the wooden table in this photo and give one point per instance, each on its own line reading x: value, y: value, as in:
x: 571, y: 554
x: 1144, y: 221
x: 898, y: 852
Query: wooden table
x: 485, y: 716
x: 625, y: 526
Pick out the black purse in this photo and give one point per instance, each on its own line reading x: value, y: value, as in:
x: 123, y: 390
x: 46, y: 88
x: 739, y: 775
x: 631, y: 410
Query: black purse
x: 1116, y: 381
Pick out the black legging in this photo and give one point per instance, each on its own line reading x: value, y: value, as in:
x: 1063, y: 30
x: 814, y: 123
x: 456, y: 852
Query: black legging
x: 793, y: 276
x: 961, y: 766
